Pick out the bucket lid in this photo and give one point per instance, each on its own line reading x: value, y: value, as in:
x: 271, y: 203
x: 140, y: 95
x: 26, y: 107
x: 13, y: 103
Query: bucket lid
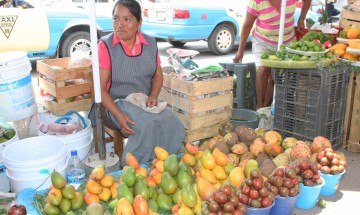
x: 12, y: 58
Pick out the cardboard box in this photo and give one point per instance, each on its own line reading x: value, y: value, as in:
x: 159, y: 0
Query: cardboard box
x: 65, y: 84
x: 201, y: 106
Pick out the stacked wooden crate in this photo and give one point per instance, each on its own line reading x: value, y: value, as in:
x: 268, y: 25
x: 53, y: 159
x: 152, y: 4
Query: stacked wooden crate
x: 67, y: 85
x: 201, y: 106
x: 352, y: 118
x: 350, y: 16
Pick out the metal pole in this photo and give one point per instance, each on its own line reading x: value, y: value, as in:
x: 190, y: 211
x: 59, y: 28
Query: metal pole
x: 282, y: 22
x: 96, y: 80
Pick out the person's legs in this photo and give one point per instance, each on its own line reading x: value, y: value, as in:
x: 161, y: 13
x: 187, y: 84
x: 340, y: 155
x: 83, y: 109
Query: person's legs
x: 269, y: 90
x: 263, y: 88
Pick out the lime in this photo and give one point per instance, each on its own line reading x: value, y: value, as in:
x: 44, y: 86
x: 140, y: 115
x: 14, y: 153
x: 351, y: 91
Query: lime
x: 304, y: 48
x: 9, y: 134
x: 310, y: 49
x: 311, y: 44
x: 3, y: 139
x: 273, y: 57
x: 264, y: 55
x: 322, y: 48
x: 293, y: 45
x: 303, y: 58
x: 316, y: 48
x: 296, y: 58
x: 321, y: 203
x: 328, y: 55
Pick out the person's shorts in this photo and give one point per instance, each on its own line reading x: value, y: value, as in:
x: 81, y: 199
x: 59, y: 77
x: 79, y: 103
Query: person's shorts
x: 259, y: 47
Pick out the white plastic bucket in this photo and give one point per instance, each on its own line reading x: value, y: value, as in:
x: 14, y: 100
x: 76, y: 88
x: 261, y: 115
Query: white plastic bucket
x: 17, y: 99
x: 80, y: 141
x: 30, y: 161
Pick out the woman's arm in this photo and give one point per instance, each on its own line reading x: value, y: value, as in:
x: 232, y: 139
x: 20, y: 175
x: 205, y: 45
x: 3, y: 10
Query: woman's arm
x: 156, y: 85
x: 245, y: 32
x: 304, y: 9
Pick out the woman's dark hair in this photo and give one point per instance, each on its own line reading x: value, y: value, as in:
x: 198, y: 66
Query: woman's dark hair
x: 133, y: 6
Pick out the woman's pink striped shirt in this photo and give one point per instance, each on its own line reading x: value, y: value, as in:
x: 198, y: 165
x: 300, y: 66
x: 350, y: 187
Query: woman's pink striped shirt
x: 267, y: 24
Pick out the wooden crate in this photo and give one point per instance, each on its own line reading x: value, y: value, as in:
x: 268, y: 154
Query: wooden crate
x: 54, y: 77
x: 351, y: 139
x: 201, y: 106
x: 350, y: 17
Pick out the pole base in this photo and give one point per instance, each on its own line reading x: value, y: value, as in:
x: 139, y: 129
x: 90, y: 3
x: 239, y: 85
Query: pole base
x: 112, y: 162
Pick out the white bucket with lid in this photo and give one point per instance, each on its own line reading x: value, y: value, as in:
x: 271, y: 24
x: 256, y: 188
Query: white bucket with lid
x: 80, y: 141
x: 17, y: 99
x: 29, y: 162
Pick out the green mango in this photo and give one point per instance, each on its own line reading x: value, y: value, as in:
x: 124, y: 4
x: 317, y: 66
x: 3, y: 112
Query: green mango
x: 228, y: 167
x: 95, y: 208
x: 57, y: 180
x: 153, y: 193
x: 188, y: 195
x: 250, y: 165
x: 176, y: 197
x: 3, y: 139
x: 183, y: 166
x: 113, y: 204
x: 153, y: 205
x: 168, y: 184
x: 183, y: 177
x: 164, y: 202
x: 171, y: 165
x: 51, y: 209
x: 65, y: 205
x: 141, y: 188
x: 128, y: 176
x: 124, y: 192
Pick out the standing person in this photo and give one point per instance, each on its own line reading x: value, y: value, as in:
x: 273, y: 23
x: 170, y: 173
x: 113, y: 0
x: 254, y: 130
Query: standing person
x: 3, y: 2
x: 130, y: 63
x: 266, y: 16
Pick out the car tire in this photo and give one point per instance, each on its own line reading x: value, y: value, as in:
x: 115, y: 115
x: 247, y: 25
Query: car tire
x: 79, y: 40
x: 177, y: 43
x: 221, y: 40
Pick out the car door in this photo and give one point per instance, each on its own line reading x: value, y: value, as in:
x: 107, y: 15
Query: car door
x: 23, y: 28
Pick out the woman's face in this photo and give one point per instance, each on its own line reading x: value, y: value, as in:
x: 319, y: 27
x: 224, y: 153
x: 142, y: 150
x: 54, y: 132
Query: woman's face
x: 124, y: 23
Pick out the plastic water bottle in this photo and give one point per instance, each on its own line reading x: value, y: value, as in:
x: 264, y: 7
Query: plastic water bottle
x: 75, y: 170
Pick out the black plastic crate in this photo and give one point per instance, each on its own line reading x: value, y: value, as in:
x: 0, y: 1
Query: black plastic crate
x: 311, y: 102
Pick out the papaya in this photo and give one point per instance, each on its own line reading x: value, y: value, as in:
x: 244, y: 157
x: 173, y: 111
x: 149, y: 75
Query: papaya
x: 124, y: 192
x: 128, y: 176
x: 207, y: 160
x: 204, y: 188
x: 176, y: 197
x: 153, y: 205
x: 141, y: 206
x: 168, y: 184
x: 353, y: 33
x: 164, y: 202
x: 141, y: 188
x: 171, y: 165
x: 183, y: 177
x: 188, y: 195
x: 124, y: 206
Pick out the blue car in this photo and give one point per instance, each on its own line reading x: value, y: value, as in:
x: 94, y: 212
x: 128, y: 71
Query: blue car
x: 180, y: 21
x: 47, y: 31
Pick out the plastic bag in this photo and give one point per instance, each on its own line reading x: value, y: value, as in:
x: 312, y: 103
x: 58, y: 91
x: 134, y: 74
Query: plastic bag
x: 79, y: 59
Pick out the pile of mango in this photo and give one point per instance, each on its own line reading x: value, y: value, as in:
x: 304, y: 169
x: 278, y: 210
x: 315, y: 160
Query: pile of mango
x: 62, y: 197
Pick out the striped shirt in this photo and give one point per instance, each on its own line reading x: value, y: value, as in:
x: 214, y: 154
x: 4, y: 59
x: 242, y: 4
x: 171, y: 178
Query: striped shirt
x: 267, y: 24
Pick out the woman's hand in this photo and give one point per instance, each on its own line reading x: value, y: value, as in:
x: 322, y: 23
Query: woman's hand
x: 151, y: 102
x: 124, y: 120
x: 238, y: 58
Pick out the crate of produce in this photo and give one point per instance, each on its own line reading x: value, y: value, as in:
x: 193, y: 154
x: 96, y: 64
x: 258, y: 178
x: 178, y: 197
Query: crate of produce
x: 71, y: 87
x: 351, y: 139
x: 201, y: 106
x: 350, y: 17
x: 309, y: 103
